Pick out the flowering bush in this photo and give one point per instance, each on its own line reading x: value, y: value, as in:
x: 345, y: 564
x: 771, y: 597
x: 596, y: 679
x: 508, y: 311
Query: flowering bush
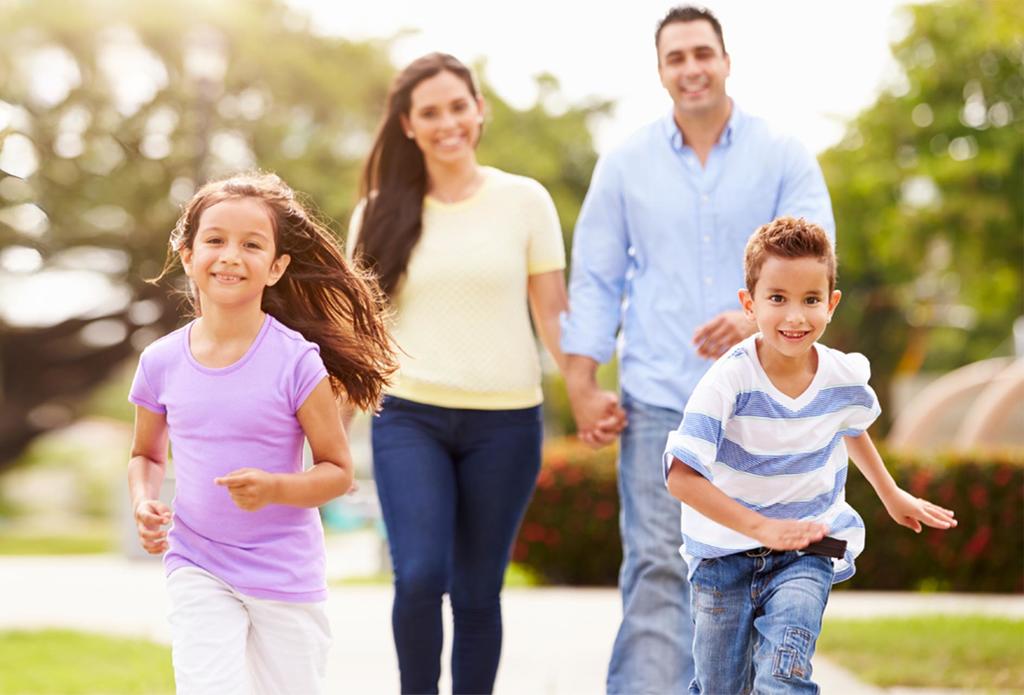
x: 571, y: 536
x: 986, y: 550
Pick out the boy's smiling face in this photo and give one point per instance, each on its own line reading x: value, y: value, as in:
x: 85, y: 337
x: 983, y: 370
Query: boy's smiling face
x: 791, y: 304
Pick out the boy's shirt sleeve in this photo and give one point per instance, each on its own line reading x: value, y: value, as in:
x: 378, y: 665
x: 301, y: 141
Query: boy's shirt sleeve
x: 864, y: 408
x: 697, y: 441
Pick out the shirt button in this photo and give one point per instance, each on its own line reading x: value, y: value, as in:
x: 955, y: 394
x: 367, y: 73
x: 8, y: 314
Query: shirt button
x: 707, y: 238
x: 707, y: 281
x: 704, y: 198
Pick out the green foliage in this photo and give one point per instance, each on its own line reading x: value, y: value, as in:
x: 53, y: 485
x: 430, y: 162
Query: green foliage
x: 78, y: 663
x: 570, y: 534
x: 124, y: 108
x: 550, y: 142
x: 927, y: 191
x: 969, y: 652
x: 38, y: 544
x: 985, y: 552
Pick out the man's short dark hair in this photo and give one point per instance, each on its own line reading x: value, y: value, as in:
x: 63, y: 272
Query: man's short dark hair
x: 690, y: 13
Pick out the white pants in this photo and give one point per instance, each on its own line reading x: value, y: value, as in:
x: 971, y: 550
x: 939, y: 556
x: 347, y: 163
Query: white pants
x: 226, y: 643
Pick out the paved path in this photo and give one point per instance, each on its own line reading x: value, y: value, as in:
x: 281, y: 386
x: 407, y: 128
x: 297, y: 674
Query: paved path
x: 557, y: 640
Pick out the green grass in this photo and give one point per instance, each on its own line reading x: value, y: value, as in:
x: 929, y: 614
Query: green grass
x: 975, y: 652
x: 37, y: 544
x: 78, y: 663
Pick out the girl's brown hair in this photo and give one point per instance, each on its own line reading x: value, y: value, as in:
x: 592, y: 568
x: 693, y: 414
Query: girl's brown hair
x: 394, y: 179
x: 330, y: 301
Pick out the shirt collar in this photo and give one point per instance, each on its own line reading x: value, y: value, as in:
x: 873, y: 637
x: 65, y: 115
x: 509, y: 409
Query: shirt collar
x: 675, y: 136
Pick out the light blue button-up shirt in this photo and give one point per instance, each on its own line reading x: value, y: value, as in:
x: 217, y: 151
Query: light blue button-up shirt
x: 658, y: 247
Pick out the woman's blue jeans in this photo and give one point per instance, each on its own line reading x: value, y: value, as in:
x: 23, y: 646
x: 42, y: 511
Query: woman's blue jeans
x: 453, y: 486
x: 757, y: 616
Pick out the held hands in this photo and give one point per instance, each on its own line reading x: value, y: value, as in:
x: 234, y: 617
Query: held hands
x: 907, y: 510
x: 251, y: 489
x: 599, y: 417
x: 719, y: 334
x: 789, y: 534
x: 151, y: 516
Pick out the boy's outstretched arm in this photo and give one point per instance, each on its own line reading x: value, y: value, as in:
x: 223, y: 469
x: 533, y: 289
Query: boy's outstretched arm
x: 699, y: 493
x: 904, y: 508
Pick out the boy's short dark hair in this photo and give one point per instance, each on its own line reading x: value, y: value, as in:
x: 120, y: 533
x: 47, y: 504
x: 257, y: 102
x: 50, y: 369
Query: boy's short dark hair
x: 788, y: 237
x: 690, y: 13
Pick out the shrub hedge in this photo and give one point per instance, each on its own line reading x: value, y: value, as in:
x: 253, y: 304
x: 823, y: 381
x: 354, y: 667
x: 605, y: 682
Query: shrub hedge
x: 570, y: 533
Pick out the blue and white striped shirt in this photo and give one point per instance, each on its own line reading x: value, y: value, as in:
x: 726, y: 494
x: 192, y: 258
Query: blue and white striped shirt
x: 782, y: 457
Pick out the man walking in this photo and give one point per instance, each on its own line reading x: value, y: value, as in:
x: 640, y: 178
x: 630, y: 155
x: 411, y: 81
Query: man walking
x: 658, y: 254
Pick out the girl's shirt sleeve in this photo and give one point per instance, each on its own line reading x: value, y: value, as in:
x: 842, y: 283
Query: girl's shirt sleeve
x: 142, y: 392
x: 697, y: 440
x: 309, y: 372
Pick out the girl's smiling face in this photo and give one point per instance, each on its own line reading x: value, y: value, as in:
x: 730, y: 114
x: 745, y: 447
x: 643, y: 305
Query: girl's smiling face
x: 791, y: 304
x: 232, y: 257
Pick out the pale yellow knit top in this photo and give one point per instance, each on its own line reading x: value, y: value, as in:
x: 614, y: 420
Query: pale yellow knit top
x: 462, y: 318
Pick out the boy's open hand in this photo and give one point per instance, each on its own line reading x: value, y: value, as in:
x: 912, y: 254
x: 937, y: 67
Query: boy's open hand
x: 788, y: 534
x: 251, y: 489
x: 151, y: 516
x: 907, y: 510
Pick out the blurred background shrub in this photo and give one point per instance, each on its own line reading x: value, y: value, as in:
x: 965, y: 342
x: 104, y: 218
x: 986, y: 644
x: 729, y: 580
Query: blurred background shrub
x: 570, y: 533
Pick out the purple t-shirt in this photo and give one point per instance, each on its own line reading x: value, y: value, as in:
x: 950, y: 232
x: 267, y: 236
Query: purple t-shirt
x: 223, y: 419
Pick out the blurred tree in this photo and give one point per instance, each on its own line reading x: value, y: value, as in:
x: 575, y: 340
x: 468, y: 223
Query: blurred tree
x: 112, y: 112
x: 928, y: 191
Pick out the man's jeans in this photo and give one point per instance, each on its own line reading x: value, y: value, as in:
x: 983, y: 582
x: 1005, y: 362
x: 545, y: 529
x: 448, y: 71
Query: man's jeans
x: 758, y: 616
x: 652, y: 652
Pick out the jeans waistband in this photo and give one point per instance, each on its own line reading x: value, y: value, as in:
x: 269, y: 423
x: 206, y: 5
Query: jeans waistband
x: 763, y: 552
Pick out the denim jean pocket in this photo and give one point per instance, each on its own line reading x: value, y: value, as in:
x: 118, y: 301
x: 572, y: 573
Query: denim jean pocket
x: 707, y: 599
x: 791, y: 658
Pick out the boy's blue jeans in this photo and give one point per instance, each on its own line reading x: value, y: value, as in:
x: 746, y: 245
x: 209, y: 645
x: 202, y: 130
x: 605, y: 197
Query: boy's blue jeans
x: 757, y: 616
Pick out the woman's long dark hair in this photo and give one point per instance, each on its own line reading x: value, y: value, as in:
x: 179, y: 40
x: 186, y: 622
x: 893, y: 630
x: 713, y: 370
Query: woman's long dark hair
x: 330, y: 301
x: 394, y: 179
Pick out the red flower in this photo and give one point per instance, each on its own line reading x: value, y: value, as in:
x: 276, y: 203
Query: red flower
x: 533, y: 532
x: 920, y: 481
x: 978, y: 543
x: 1002, y: 475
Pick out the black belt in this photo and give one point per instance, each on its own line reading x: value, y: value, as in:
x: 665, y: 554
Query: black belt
x: 827, y: 546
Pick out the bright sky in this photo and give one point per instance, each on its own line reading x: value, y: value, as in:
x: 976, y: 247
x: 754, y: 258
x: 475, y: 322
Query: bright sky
x: 803, y: 64
x: 806, y: 65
